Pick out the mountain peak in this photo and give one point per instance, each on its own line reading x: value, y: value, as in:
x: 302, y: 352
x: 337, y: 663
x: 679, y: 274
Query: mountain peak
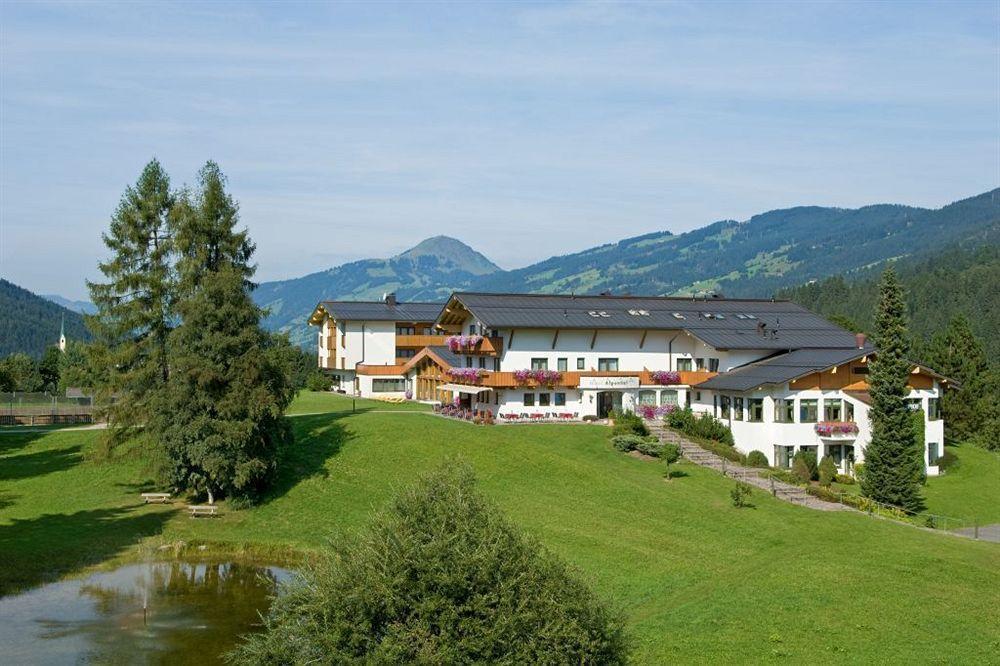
x: 452, y: 250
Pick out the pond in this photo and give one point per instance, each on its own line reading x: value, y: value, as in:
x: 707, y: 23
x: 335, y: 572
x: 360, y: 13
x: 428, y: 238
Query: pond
x: 153, y: 613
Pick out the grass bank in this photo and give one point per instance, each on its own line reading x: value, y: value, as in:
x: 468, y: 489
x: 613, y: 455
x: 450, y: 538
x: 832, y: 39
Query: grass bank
x: 699, y: 580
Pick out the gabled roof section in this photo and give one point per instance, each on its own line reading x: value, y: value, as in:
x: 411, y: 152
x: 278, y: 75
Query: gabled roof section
x: 722, y: 323
x: 375, y: 311
x: 783, y: 368
x: 441, y: 355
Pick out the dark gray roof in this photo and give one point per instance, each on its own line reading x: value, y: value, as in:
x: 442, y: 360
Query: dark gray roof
x: 382, y: 311
x: 782, y: 368
x: 720, y: 322
x: 448, y: 356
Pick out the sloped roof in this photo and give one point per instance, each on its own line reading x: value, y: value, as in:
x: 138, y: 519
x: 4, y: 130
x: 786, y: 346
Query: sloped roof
x: 720, y: 322
x: 381, y: 311
x: 782, y: 368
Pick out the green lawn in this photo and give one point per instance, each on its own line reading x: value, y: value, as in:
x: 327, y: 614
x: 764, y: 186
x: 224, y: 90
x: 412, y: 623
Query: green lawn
x: 309, y: 402
x: 970, y: 490
x: 699, y: 580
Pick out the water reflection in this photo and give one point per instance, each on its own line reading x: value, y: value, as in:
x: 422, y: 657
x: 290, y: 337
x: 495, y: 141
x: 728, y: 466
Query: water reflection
x: 159, y: 613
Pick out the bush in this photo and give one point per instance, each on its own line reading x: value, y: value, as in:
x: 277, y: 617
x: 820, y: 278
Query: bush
x: 628, y: 423
x: 740, y: 494
x: 823, y: 493
x: 317, y: 381
x: 650, y: 448
x: 670, y: 454
x: 704, y: 425
x: 809, y: 459
x: 783, y: 475
x: 757, y: 459
x: 680, y: 419
x: 800, y: 469
x: 441, y: 577
x: 948, y: 460
x: 626, y: 443
x: 590, y: 418
x: 844, y: 479
x: 827, y: 471
x: 859, y: 471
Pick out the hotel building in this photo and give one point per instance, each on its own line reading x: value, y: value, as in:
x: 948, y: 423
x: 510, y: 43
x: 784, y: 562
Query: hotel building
x: 782, y: 378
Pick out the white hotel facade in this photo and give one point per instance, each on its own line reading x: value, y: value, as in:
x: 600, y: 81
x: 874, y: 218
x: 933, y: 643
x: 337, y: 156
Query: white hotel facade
x: 782, y: 378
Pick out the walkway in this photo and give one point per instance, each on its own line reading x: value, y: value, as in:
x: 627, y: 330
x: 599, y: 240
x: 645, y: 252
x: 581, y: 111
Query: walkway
x: 751, y: 475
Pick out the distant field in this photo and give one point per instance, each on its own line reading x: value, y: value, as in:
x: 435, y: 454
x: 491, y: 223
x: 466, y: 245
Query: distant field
x: 970, y: 490
x: 699, y: 580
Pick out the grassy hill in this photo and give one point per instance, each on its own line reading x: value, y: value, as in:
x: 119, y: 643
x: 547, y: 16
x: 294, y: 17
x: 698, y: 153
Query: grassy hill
x: 430, y: 271
x: 699, y: 580
x: 30, y: 323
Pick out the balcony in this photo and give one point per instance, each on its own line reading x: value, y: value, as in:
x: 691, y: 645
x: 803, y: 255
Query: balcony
x: 418, y: 341
x: 486, y: 346
x: 836, y: 430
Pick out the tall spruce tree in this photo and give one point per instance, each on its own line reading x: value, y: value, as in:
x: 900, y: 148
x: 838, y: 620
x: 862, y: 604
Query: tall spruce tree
x: 893, y: 458
x: 220, y: 416
x: 134, y: 304
x: 958, y: 354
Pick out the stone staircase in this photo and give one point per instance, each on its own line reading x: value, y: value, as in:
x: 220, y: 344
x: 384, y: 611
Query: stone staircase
x: 751, y: 475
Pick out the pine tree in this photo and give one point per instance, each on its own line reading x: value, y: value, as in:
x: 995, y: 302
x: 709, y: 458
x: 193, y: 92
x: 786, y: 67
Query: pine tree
x: 893, y: 459
x: 220, y: 417
x: 134, y: 304
x: 957, y: 354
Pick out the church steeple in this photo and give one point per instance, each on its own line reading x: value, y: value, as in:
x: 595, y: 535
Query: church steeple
x: 62, y: 334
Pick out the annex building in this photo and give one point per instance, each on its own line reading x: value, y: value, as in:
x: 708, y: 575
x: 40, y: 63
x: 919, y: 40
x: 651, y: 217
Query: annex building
x: 782, y: 378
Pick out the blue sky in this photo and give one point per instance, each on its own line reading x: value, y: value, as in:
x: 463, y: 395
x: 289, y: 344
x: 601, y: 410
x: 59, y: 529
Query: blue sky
x: 355, y: 130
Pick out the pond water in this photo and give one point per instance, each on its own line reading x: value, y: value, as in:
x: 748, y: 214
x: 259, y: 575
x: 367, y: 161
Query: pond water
x: 153, y: 613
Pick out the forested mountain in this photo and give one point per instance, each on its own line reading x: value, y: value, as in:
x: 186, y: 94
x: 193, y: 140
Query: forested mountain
x: 83, y: 307
x: 429, y: 271
x: 939, y: 286
x: 755, y: 258
x: 30, y: 323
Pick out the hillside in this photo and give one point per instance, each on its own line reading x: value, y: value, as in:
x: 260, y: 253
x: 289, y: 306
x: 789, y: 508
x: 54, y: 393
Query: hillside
x: 755, y: 258
x: 958, y: 280
x: 30, y: 323
x: 429, y: 271
x: 83, y: 307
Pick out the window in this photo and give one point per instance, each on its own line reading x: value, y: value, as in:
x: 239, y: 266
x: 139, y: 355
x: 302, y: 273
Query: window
x: 713, y: 365
x: 684, y: 365
x: 472, y: 329
x: 808, y: 411
x: 406, y: 353
x: 738, y: 409
x: 725, y: 406
x: 562, y: 364
x: 668, y: 397
x: 544, y: 399
x: 848, y: 410
x: 529, y: 399
x: 496, y: 364
x: 647, y: 397
x: 783, y: 456
x: 428, y: 330
x: 697, y: 395
x: 560, y: 399
x: 388, y: 385
x: 405, y: 330
x: 933, y: 409
x: 482, y: 362
x: 860, y: 370
x: 755, y: 407
x: 539, y: 364
x: 699, y: 363
x: 607, y: 364
x: 468, y: 361
x: 932, y: 453
x: 833, y: 409
x: 580, y: 363
x: 784, y: 411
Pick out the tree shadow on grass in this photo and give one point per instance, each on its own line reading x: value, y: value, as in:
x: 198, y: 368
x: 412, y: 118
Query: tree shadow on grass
x: 10, y: 442
x: 38, y: 550
x: 317, y: 439
x: 40, y: 463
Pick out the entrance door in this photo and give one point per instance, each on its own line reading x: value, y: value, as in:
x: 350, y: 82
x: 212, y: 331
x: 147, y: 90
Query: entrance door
x: 608, y: 401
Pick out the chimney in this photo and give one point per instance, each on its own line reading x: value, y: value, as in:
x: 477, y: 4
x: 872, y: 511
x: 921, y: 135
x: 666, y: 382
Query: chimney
x: 859, y: 338
x: 390, y: 298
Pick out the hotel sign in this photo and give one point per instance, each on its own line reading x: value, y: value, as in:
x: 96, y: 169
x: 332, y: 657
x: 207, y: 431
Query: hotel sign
x: 604, y: 383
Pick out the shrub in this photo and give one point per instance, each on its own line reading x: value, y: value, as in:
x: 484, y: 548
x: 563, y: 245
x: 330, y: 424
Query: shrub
x: 844, y: 479
x: 809, y: 458
x: 783, y: 475
x: 800, y: 469
x: 440, y: 577
x: 650, y: 448
x: 823, y: 493
x: 859, y: 471
x: 740, y: 494
x: 827, y: 471
x: 948, y: 460
x: 670, y: 454
x: 680, y: 419
x: 626, y: 443
x: 757, y: 459
x: 590, y: 418
x: 317, y: 381
x: 628, y: 423
x: 709, y: 427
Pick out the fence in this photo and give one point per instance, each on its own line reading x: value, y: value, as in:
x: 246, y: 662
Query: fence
x: 44, y: 409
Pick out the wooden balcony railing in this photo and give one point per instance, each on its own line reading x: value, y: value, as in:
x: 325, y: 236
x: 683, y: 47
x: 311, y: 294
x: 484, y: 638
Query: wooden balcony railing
x: 488, y: 346
x: 420, y: 340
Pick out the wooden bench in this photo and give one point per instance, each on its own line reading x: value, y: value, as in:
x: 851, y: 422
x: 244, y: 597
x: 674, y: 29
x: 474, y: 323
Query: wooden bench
x: 157, y: 498
x: 203, y: 510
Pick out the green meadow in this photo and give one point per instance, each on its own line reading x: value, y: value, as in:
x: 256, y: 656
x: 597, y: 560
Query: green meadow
x: 698, y: 580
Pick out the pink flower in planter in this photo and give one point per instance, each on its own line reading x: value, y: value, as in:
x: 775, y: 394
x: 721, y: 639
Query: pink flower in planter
x: 467, y: 374
x: 665, y: 377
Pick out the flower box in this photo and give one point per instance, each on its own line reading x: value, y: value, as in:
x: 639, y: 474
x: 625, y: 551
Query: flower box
x: 542, y: 377
x: 472, y: 375
x: 458, y: 343
x: 836, y: 428
x: 665, y: 377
